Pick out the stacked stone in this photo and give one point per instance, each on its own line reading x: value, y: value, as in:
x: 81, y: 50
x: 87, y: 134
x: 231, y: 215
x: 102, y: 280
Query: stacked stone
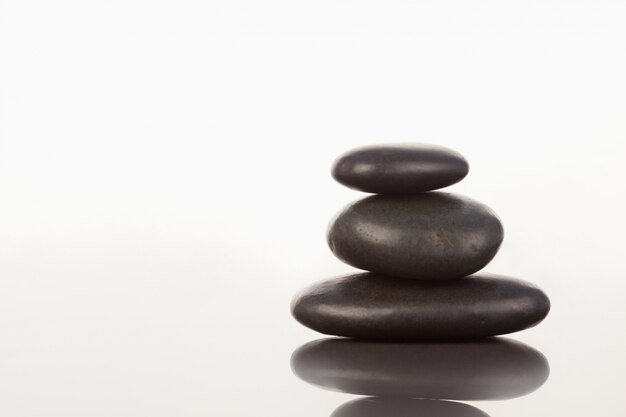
x: 422, y: 248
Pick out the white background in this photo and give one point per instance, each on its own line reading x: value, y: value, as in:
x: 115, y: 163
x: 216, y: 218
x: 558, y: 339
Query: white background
x: 165, y: 187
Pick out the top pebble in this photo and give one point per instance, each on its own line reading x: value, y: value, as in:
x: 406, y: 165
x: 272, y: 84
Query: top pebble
x: 407, y: 168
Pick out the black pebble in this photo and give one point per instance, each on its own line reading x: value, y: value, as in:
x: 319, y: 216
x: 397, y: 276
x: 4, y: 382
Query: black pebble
x: 373, y: 306
x: 427, y: 236
x: 400, y: 168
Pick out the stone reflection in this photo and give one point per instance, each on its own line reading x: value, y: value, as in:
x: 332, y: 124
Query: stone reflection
x: 410, y: 378
x: 406, y: 407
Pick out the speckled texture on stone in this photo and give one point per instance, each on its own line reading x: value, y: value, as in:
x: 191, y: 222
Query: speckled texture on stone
x: 486, y: 369
x: 406, y: 168
x: 426, y: 236
x: 374, y: 306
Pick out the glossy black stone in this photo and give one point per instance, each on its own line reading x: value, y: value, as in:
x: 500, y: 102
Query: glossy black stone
x: 406, y: 168
x: 426, y: 236
x: 406, y: 407
x: 487, y: 369
x: 373, y: 306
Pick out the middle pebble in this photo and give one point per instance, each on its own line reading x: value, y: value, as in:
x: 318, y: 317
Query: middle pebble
x: 432, y: 235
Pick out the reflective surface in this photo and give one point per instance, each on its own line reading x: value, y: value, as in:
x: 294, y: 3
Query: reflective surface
x: 398, y: 374
x: 153, y: 346
x: 406, y: 407
x: 492, y: 369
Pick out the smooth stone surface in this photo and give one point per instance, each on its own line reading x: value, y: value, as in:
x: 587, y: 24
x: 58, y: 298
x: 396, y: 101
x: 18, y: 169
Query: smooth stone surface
x: 406, y: 407
x: 488, y: 369
x: 373, y: 306
x: 406, y: 168
x: 427, y: 236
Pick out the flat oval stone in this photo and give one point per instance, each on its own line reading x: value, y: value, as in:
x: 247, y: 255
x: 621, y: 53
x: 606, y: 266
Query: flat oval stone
x: 488, y: 369
x: 373, y: 306
x: 426, y: 236
x: 406, y: 407
x: 406, y: 168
